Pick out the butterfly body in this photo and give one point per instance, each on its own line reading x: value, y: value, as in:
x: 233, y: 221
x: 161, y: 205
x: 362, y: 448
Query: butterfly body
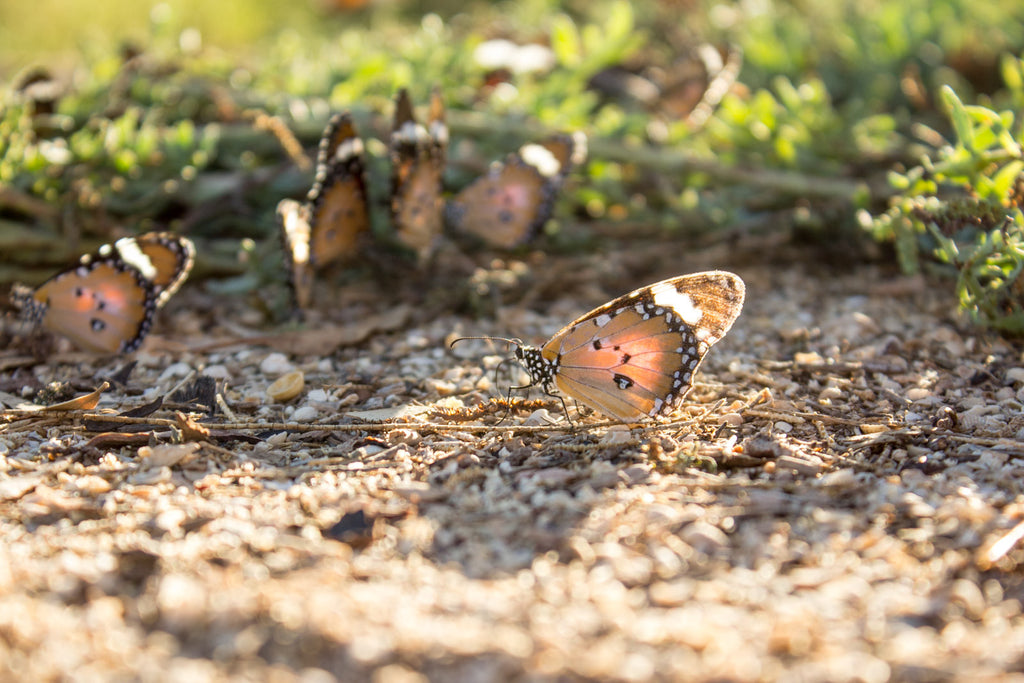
x: 107, y: 302
x: 326, y: 227
x: 417, y: 162
x: 635, y: 357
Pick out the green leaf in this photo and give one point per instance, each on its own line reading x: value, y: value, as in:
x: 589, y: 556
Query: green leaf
x: 958, y: 116
x: 1012, y: 70
x: 620, y: 22
x: 565, y: 40
x: 1004, y: 180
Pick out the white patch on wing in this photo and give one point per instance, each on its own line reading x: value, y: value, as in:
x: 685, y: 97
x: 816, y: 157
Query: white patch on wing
x: 439, y: 132
x: 128, y: 250
x: 410, y: 131
x: 540, y: 158
x: 296, y: 228
x: 667, y: 296
x: 603, y: 319
x: 348, y: 149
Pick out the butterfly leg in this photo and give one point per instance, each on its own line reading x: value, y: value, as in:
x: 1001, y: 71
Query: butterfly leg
x: 565, y: 410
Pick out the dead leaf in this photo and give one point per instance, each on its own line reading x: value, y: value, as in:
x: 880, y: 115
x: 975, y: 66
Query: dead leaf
x: 144, y: 410
x: 190, y: 429
x: 167, y: 455
x: 87, y: 402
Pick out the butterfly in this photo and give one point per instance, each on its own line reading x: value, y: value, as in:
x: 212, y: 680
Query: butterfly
x: 690, y: 88
x: 327, y: 226
x: 417, y: 165
x: 513, y: 200
x: 635, y: 357
x: 107, y: 302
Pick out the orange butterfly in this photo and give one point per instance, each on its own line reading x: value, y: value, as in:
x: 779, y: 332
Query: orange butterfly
x: 635, y: 357
x: 417, y: 166
x: 328, y: 225
x: 106, y: 303
x: 512, y: 202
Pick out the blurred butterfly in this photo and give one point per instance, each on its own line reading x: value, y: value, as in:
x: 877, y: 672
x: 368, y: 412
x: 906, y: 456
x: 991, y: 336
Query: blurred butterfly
x: 106, y: 303
x: 417, y: 165
x: 327, y: 226
x: 635, y: 357
x: 512, y: 202
x: 689, y: 88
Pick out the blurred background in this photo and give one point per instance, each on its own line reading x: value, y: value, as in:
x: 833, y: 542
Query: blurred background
x: 848, y: 122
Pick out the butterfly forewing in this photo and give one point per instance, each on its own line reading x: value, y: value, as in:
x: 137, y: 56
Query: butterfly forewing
x: 636, y: 356
x: 172, y: 258
x: 338, y: 198
x: 339, y: 219
x: 163, y: 259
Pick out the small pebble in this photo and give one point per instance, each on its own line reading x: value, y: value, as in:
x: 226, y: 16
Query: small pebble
x: 305, y: 414
x: 276, y: 364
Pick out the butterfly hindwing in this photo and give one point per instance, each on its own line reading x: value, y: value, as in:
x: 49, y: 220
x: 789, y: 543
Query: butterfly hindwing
x: 294, y: 218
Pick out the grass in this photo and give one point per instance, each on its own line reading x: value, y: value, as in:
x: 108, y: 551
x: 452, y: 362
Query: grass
x: 897, y: 121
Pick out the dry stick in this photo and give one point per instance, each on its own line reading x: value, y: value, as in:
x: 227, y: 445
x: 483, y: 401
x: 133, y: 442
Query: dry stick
x: 381, y: 426
x: 13, y: 198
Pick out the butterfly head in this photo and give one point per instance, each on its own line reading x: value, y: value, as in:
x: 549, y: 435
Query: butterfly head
x: 541, y: 370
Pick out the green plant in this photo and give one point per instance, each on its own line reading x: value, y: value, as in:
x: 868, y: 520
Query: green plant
x: 962, y: 207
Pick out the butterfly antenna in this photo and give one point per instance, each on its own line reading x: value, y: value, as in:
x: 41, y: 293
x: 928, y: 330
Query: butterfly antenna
x: 513, y: 342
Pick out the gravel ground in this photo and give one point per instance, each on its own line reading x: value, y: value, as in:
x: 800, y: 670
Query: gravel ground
x: 839, y: 499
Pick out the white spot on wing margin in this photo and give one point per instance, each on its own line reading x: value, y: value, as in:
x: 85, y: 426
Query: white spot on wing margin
x: 667, y: 296
x: 128, y: 250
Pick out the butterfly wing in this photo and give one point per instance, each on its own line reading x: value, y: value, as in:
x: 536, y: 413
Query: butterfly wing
x: 511, y: 203
x: 164, y: 259
x: 698, y: 81
x: 295, y: 236
x: 103, y: 305
x: 503, y: 208
x: 568, y: 149
x: 171, y: 257
x: 338, y: 204
x: 417, y: 166
x: 636, y: 356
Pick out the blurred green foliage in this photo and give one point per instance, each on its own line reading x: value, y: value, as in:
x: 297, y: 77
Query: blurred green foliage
x: 840, y: 106
x: 962, y: 206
